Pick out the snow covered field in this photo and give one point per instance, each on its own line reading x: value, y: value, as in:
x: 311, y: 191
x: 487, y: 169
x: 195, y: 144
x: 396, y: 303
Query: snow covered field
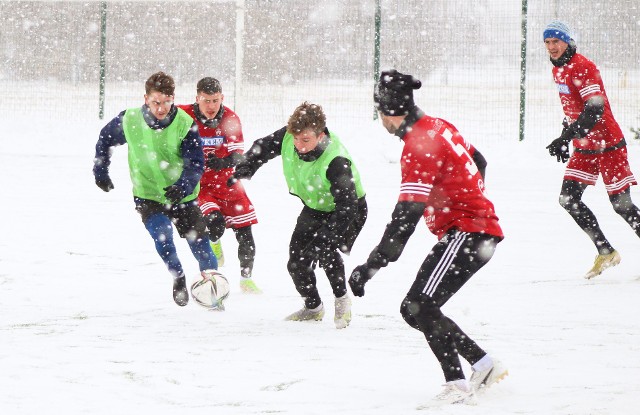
x: 88, y: 325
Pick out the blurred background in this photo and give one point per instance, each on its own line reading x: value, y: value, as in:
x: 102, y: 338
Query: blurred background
x: 271, y: 55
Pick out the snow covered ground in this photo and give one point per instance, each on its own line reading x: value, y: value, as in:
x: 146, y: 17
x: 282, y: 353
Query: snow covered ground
x: 88, y: 326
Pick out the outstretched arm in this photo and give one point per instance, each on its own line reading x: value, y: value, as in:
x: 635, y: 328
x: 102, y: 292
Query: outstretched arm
x: 404, y: 219
x: 220, y: 163
x: 262, y: 150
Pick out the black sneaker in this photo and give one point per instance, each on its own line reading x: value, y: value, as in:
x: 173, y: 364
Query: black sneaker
x: 180, y: 292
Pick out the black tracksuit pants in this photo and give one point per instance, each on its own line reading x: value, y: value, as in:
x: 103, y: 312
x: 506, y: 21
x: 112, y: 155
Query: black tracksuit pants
x: 303, y: 258
x: 449, y: 265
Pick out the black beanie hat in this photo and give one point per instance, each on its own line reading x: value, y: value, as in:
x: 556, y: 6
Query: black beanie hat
x: 394, y: 93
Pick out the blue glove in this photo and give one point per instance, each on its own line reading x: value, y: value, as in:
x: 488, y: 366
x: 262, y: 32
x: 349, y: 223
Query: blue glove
x: 174, y: 193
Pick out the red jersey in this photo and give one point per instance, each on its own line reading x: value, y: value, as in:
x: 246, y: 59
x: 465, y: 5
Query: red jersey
x: 438, y: 170
x: 578, y: 81
x: 224, y: 139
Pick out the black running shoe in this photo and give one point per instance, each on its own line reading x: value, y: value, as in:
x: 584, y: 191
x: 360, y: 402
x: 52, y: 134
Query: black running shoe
x: 180, y: 292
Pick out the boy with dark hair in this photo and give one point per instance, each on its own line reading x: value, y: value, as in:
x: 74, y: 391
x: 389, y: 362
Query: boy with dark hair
x: 222, y: 206
x: 165, y: 164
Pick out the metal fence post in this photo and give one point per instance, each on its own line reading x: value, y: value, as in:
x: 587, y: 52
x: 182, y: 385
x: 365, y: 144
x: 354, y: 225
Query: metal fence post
x: 376, y: 49
x: 103, y: 58
x: 523, y: 69
x: 240, y: 11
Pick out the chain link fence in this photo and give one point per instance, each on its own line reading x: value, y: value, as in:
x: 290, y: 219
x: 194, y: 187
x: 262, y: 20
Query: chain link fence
x: 271, y: 55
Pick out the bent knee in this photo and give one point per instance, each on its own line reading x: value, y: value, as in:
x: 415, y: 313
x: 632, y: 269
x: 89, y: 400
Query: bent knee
x: 295, y: 266
x: 623, y: 205
x: 216, y: 225
x: 421, y: 306
x: 405, y: 312
x: 567, y: 202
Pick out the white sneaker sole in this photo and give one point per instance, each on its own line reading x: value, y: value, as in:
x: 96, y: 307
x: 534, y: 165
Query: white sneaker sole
x: 341, y: 323
x: 614, y: 261
x: 493, y: 379
x: 469, y: 401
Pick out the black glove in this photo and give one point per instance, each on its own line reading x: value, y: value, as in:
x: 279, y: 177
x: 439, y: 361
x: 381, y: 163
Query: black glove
x: 174, y: 193
x: 105, y: 184
x: 232, y: 180
x: 359, y: 277
x: 560, y: 146
x: 242, y: 172
x: 217, y: 163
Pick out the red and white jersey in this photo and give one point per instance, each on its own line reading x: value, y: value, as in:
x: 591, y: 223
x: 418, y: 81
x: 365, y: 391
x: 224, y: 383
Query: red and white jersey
x: 577, y: 81
x: 438, y: 170
x: 221, y: 141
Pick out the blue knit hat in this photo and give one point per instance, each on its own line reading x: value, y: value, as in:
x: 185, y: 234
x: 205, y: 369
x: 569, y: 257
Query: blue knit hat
x: 557, y: 30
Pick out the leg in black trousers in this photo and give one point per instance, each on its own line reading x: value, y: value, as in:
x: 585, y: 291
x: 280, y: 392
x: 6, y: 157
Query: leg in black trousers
x: 571, y: 200
x: 246, y: 250
x: 449, y: 265
x: 623, y: 206
x: 300, y: 265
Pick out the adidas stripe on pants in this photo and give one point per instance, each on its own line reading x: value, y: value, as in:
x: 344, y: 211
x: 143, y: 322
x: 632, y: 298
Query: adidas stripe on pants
x: 449, y: 265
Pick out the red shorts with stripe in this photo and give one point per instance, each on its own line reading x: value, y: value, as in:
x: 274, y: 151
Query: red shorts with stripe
x: 612, y: 165
x: 234, y: 205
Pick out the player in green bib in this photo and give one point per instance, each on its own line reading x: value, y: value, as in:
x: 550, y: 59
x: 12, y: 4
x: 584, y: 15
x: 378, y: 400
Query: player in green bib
x: 166, y: 162
x: 319, y: 170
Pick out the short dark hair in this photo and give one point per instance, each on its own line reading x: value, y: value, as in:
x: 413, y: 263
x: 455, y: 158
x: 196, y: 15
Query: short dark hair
x: 160, y: 82
x: 307, y: 116
x: 209, y: 86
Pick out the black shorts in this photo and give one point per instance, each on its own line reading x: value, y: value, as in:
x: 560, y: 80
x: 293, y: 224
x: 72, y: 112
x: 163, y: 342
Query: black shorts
x: 186, y: 217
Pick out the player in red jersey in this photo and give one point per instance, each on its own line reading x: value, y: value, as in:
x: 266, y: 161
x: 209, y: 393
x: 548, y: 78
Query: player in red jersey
x: 442, y: 181
x: 598, y: 142
x: 223, y: 206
